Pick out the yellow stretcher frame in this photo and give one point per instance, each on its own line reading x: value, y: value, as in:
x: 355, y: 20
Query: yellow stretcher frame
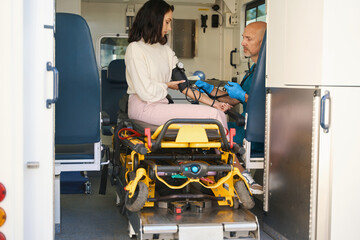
x: 188, y: 136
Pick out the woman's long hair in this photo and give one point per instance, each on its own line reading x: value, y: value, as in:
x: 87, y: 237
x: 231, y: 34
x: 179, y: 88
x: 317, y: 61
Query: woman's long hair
x: 149, y: 22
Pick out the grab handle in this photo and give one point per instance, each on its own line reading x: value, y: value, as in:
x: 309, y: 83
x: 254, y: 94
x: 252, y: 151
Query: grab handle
x: 325, y: 122
x: 231, y: 57
x: 49, y: 67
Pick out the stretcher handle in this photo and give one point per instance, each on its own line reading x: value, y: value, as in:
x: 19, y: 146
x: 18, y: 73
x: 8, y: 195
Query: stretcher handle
x: 156, y: 146
x: 232, y: 135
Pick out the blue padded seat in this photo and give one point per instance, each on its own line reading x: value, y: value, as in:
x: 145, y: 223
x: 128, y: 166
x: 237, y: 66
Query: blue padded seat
x: 255, y: 128
x: 77, y: 111
x: 255, y: 111
x: 113, y: 90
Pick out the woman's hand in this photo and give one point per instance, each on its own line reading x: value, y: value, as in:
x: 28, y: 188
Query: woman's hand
x: 222, y: 106
x: 174, y: 84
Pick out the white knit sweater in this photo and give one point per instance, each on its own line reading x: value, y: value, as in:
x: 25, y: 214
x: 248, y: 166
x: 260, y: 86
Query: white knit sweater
x: 148, y: 68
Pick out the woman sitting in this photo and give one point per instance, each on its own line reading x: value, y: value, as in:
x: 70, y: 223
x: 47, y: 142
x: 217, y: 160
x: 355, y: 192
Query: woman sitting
x: 149, y: 64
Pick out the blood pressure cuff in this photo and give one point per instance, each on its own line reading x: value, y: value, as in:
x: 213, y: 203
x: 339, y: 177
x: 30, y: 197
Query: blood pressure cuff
x: 179, y: 74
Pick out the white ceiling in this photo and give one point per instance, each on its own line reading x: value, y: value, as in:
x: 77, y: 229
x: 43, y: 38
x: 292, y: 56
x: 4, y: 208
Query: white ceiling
x: 188, y: 2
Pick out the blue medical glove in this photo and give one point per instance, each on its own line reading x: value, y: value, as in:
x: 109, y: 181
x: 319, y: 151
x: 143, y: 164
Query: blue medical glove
x: 204, y: 86
x: 235, y: 91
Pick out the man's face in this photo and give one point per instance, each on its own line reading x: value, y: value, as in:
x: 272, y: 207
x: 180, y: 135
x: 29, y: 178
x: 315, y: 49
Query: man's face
x: 251, y: 42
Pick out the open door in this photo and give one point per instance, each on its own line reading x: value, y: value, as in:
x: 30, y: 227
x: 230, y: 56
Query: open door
x: 27, y: 125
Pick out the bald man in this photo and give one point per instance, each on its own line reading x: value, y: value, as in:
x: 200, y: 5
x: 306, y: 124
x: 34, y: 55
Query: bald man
x: 251, y: 43
x: 237, y: 93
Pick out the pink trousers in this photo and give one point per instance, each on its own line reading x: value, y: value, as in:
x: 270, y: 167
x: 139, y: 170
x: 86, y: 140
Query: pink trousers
x: 158, y: 113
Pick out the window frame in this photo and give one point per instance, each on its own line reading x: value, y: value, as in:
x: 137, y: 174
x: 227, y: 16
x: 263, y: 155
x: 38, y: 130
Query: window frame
x: 252, y: 5
x: 98, y: 52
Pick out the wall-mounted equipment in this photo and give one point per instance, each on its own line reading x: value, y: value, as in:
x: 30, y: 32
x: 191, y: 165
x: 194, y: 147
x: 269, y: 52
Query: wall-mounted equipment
x: 215, y: 17
x: 130, y: 15
x: 184, y: 38
x: 231, y: 19
x: 203, y: 22
x: 215, y: 20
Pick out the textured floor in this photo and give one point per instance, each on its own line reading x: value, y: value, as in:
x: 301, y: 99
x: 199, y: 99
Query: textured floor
x: 92, y: 216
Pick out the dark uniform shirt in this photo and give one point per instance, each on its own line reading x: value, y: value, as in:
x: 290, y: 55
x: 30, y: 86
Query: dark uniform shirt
x: 240, y: 132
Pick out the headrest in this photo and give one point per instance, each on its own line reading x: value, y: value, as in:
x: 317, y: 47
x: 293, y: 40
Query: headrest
x: 116, y: 71
x: 78, y: 107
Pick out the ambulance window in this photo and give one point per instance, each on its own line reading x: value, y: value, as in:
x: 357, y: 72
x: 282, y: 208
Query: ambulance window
x: 112, y: 48
x: 255, y: 11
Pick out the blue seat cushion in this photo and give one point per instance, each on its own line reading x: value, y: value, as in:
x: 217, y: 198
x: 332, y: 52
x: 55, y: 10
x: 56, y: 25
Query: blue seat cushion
x: 255, y: 153
x: 116, y: 72
x: 72, y: 183
x: 76, y: 151
x: 73, y: 156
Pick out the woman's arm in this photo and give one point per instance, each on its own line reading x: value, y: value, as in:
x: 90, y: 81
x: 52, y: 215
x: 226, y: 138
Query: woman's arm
x: 187, y: 91
x: 206, y: 100
x: 174, y: 84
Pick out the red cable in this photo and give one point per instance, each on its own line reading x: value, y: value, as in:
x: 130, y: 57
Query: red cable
x: 135, y: 133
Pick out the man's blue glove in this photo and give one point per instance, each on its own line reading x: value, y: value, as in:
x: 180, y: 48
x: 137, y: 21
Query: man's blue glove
x: 235, y: 91
x: 204, y: 86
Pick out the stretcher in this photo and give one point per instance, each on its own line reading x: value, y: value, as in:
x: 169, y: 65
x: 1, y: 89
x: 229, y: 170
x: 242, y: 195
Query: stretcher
x: 182, y: 171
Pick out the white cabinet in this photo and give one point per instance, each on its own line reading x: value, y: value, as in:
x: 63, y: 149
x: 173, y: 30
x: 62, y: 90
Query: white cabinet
x: 313, y: 43
x: 338, y: 166
x: 311, y: 176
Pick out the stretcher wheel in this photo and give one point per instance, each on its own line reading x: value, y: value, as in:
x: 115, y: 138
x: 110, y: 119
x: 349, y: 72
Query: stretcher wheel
x: 244, y: 195
x: 136, y: 162
x: 139, y: 198
x: 236, y: 203
x: 151, y: 173
x: 230, y: 160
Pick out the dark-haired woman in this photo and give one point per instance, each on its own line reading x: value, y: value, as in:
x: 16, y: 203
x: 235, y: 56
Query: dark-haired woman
x: 149, y: 64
